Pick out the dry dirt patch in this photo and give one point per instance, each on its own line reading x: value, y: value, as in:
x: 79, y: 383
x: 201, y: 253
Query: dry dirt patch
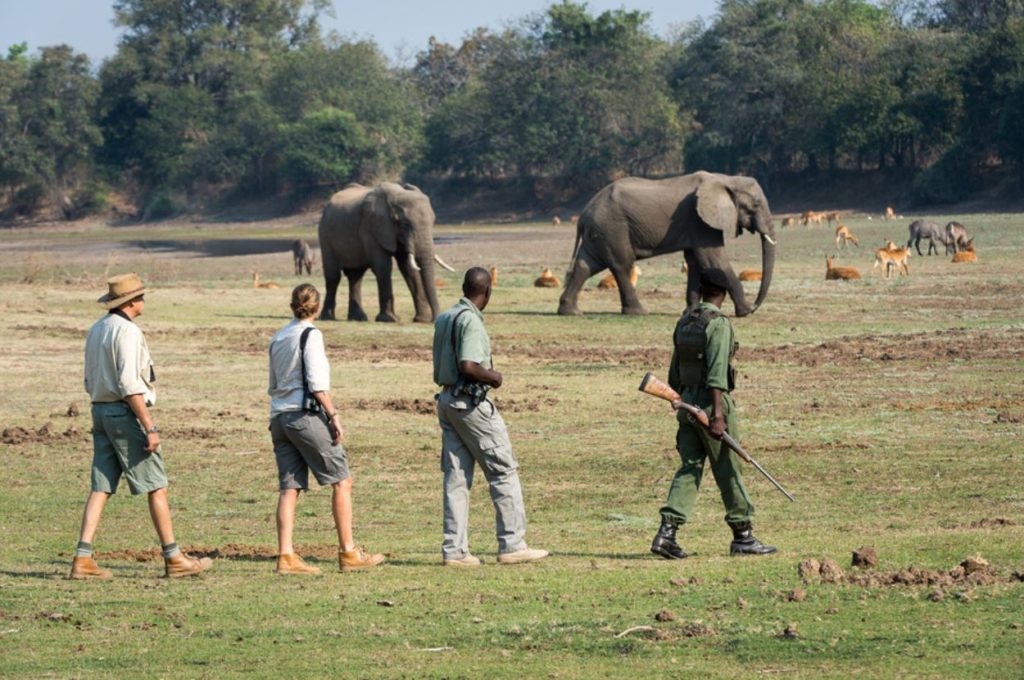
x: 945, y: 345
x: 16, y: 435
x: 972, y: 571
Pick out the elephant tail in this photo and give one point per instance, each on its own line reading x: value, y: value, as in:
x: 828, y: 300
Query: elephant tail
x: 575, y: 249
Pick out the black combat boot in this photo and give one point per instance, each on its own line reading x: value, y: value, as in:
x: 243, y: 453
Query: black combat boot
x: 745, y: 543
x: 664, y: 542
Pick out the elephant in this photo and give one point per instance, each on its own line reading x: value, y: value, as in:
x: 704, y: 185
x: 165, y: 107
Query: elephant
x: 956, y: 237
x: 634, y: 218
x: 924, y: 229
x: 364, y: 228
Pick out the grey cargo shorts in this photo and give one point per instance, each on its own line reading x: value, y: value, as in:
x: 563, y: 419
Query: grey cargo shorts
x: 302, y: 442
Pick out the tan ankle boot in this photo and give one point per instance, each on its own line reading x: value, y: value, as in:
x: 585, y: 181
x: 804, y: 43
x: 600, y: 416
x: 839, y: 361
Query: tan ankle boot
x: 293, y: 564
x: 86, y: 567
x: 184, y: 565
x: 357, y: 559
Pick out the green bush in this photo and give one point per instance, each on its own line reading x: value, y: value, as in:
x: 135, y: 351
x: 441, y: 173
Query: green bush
x: 91, y: 199
x: 164, y: 203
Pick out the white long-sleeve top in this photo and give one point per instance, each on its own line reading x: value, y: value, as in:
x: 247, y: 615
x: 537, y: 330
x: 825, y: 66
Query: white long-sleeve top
x: 285, y: 385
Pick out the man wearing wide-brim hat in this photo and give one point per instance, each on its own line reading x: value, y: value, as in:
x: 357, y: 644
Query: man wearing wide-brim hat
x: 120, y: 380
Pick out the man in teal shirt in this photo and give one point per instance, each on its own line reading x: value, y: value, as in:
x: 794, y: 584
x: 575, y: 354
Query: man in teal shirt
x: 473, y: 432
x: 703, y: 345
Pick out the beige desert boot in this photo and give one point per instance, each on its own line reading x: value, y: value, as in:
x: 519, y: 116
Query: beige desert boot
x: 467, y: 561
x: 357, y: 558
x: 520, y: 556
x: 293, y: 564
x: 184, y: 565
x: 86, y: 567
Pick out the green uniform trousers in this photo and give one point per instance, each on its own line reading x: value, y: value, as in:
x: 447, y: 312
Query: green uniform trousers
x: 695, y: 446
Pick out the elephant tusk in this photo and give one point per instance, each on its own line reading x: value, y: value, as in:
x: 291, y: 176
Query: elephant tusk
x: 769, y: 239
x: 442, y: 262
x: 412, y: 263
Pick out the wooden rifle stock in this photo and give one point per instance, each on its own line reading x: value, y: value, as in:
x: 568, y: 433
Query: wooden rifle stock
x: 655, y: 387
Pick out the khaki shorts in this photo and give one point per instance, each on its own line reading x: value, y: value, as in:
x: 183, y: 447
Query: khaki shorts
x: 302, y: 442
x: 119, y: 443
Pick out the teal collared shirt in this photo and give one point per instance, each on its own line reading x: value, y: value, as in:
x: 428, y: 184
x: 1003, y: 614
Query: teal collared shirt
x: 471, y: 341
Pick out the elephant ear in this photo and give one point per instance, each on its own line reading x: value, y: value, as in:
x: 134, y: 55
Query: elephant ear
x: 381, y: 217
x: 716, y: 206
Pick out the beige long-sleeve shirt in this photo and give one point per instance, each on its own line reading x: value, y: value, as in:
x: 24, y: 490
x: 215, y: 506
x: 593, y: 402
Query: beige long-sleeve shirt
x: 117, y: 361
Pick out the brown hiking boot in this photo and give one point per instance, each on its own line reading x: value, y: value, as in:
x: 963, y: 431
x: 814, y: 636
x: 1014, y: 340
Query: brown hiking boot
x: 86, y: 567
x: 293, y: 564
x: 184, y: 565
x: 357, y: 559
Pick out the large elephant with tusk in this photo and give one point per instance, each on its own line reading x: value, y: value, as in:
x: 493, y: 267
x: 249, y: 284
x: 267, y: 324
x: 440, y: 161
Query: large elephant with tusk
x: 365, y: 228
x: 633, y: 219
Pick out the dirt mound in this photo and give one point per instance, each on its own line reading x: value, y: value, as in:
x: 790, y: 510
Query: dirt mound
x: 19, y: 435
x: 944, y: 345
x: 972, y: 571
x: 865, y: 558
x: 992, y: 522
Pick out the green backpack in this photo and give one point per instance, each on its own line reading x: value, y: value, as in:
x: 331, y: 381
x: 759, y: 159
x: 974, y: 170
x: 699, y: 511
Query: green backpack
x: 690, y: 339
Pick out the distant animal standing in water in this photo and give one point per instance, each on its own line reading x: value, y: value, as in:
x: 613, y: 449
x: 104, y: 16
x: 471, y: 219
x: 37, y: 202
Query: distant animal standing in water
x: 256, y: 282
x: 303, y: 255
x: 547, y: 280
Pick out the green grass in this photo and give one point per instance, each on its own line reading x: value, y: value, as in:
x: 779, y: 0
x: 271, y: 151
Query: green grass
x: 891, y: 409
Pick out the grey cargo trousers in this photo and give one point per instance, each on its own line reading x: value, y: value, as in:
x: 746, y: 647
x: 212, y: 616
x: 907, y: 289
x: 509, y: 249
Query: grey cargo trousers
x: 478, y: 435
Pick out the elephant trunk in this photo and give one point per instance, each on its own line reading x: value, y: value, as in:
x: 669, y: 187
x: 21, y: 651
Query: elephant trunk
x: 424, y: 257
x: 767, y: 265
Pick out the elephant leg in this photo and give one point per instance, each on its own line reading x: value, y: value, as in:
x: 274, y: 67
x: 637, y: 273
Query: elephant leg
x: 692, y: 279
x: 584, y: 267
x: 332, y: 277
x: 355, y: 294
x: 423, y: 311
x: 627, y: 292
x: 385, y: 291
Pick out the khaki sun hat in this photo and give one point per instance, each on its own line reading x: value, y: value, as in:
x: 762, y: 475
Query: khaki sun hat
x: 122, y: 288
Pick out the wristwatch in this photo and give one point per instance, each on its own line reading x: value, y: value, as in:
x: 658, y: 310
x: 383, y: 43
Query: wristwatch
x: 153, y: 428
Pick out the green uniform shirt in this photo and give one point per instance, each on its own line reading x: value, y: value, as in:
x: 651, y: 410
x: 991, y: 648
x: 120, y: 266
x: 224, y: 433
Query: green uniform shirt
x: 471, y: 342
x: 720, y: 339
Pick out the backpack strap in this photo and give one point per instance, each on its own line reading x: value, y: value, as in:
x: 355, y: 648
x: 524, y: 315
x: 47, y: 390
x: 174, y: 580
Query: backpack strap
x: 302, y: 357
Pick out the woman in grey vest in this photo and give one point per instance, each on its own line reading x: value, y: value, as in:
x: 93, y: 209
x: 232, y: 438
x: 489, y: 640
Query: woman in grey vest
x: 307, y: 432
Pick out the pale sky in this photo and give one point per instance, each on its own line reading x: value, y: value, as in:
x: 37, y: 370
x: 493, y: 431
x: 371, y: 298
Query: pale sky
x: 400, y: 27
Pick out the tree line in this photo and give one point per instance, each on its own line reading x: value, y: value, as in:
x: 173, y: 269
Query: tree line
x: 214, y: 99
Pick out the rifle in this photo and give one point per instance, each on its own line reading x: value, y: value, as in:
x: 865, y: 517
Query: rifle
x: 655, y: 387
